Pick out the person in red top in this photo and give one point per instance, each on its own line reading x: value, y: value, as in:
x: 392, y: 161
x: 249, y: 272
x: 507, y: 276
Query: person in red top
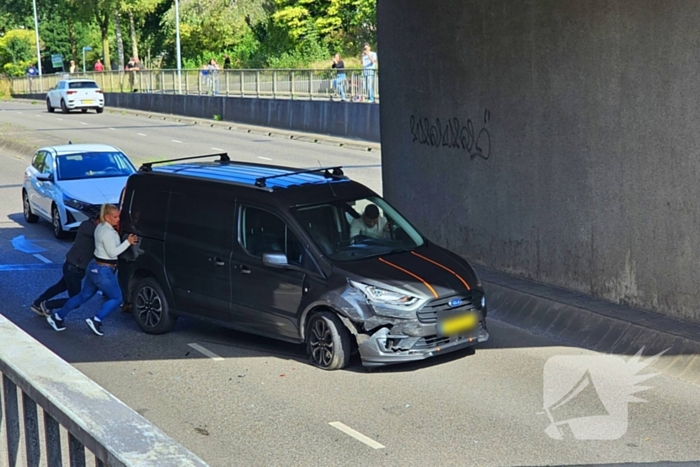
x: 99, y: 66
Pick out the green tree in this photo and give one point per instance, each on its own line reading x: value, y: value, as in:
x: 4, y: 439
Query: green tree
x: 100, y: 12
x: 17, y: 51
x: 210, y: 27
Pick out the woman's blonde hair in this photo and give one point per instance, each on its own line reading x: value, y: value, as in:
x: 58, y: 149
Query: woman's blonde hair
x: 106, y: 209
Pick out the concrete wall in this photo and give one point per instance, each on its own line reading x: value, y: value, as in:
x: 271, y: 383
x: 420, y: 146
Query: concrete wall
x: 557, y: 140
x: 342, y: 119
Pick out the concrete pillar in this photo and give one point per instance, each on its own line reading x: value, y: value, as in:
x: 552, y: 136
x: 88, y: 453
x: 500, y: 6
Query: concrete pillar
x: 557, y: 140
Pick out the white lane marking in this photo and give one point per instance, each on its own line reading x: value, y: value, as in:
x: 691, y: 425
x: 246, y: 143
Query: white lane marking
x: 175, y: 141
x: 358, y: 436
x: 83, y: 123
x: 19, y: 112
x: 206, y: 352
x: 142, y: 134
x: 113, y: 129
x: 59, y: 119
x: 217, y: 149
x: 264, y: 158
x: 43, y: 258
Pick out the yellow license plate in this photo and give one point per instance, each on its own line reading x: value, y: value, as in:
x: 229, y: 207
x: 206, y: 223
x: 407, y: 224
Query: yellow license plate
x: 87, y: 102
x: 457, y: 324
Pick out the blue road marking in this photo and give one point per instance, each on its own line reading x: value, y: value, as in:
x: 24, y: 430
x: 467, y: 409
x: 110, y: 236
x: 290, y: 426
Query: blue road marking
x: 26, y: 246
x: 29, y: 267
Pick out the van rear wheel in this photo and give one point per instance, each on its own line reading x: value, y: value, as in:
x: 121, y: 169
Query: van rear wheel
x: 150, y: 307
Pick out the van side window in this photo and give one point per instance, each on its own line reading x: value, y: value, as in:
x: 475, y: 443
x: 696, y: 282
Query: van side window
x: 201, y: 220
x: 264, y: 232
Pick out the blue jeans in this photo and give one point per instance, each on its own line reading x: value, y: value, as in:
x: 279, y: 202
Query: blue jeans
x: 340, y: 84
x: 96, y: 278
x: 369, y: 85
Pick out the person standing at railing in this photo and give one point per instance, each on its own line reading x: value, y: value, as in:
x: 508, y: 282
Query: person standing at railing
x: 369, y: 64
x: 213, y: 69
x: 71, y: 70
x: 128, y: 68
x: 99, y: 67
x: 31, y: 74
x: 339, y: 65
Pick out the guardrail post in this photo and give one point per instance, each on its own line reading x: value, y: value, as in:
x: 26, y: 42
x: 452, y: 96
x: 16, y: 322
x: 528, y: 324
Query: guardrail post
x: 11, y: 419
x: 31, y: 431
x: 311, y: 85
x: 291, y: 83
x: 227, y: 79
x: 257, y: 83
x: 242, y: 83
x: 52, y: 433
x: 76, y: 451
x: 274, y: 84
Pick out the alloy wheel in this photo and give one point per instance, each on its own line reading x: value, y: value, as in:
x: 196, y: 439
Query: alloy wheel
x: 149, y: 306
x: 321, y: 341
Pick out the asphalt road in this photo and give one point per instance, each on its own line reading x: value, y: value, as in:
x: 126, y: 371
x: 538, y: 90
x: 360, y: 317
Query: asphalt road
x: 258, y: 402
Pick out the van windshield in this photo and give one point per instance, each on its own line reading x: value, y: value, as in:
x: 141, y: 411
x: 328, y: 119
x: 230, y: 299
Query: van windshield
x: 350, y: 230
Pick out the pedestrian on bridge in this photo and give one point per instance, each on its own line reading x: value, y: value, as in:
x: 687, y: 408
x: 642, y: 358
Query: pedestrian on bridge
x: 101, y: 273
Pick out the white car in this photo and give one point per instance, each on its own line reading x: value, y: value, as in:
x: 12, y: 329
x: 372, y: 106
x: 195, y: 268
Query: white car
x: 69, y: 94
x: 67, y: 184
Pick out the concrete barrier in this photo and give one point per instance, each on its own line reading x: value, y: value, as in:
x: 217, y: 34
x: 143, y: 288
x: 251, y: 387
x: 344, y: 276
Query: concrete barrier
x: 342, y: 119
x: 95, y: 419
x: 594, y: 324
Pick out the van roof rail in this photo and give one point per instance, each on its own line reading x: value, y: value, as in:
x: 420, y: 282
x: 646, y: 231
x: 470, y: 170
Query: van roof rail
x: 328, y: 172
x: 147, y: 166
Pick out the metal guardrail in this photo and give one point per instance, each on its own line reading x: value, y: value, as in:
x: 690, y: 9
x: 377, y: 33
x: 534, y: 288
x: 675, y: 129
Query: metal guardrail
x: 263, y: 83
x: 69, y: 401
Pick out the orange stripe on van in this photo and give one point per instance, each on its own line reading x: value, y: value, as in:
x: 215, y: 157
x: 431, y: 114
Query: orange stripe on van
x: 443, y: 267
x: 410, y: 274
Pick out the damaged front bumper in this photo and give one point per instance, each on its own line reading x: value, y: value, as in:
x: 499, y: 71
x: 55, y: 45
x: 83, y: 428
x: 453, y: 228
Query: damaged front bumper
x: 388, y: 347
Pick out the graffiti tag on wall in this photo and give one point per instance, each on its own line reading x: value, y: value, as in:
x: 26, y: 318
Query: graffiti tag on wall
x: 453, y: 134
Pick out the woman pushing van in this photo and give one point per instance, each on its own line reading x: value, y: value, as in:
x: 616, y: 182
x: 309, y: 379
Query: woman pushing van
x: 100, y: 273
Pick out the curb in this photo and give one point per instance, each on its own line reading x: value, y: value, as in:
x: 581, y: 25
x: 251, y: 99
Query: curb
x: 555, y: 317
x: 252, y: 129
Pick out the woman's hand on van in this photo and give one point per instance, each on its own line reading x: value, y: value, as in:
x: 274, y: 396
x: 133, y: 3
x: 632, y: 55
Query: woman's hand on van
x: 132, y: 239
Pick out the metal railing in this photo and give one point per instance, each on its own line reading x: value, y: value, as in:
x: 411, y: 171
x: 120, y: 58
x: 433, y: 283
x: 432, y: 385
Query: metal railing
x: 90, y: 418
x: 263, y: 83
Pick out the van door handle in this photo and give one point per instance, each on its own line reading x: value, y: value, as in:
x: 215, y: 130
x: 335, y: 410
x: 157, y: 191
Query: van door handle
x: 245, y: 270
x: 217, y: 261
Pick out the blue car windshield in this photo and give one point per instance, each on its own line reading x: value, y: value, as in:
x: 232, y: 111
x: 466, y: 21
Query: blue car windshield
x: 93, y: 165
x: 351, y: 230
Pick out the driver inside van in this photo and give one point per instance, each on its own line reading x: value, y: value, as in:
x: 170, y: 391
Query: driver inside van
x: 371, y: 224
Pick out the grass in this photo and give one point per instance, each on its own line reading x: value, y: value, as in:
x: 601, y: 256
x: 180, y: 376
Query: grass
x: 217, y: 118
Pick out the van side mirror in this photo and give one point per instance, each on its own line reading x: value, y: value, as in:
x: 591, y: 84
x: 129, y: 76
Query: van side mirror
x: 275, y: 260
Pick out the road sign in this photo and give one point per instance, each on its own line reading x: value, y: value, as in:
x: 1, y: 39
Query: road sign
x: 57, y: 60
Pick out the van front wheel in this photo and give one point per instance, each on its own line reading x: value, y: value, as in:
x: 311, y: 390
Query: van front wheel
x: 150, y: 307
x: 328, y: 341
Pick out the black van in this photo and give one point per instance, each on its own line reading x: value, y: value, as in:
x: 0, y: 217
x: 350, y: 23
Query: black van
x: 306, y: 256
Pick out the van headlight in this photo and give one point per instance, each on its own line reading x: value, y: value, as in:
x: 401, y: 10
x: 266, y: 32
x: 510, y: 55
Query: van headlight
x: 397, y: 300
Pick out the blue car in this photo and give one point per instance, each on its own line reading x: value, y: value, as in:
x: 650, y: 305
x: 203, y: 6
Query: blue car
x: 66, y: 184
